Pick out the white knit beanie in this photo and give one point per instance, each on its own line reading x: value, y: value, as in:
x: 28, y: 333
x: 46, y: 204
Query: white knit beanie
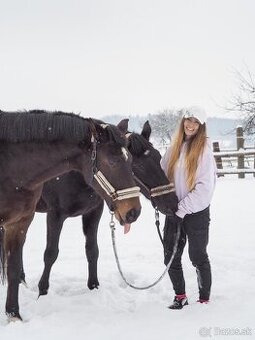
x: 195, y: 112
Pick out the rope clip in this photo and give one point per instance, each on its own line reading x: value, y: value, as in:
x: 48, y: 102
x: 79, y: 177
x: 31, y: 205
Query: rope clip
x: 112, y: 223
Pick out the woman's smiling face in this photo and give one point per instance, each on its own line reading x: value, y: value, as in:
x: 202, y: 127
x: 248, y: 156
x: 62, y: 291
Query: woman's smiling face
x: 191, y: 126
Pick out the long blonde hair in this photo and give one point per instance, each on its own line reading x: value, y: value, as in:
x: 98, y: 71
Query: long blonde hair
x: 195, y: 148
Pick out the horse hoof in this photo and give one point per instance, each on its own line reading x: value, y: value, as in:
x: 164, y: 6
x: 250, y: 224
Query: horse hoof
x: 43, y: 292
x: 13, y: 317
x: 93, y: 286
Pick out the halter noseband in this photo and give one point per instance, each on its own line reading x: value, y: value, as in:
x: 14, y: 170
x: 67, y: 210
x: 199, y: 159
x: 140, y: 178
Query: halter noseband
x: 116, y: 195
x: 157, y: 191
x: 112, y: 192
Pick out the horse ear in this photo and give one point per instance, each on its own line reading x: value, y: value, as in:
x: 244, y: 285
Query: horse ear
x: 146, y: 132
x: 123, y: 125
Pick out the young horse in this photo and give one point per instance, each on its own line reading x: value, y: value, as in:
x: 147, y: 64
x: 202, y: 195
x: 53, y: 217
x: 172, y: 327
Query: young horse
x: 69, y: 196
x: 37, y: 146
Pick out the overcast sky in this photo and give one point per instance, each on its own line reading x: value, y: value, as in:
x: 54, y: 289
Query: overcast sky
x: 102, y: 57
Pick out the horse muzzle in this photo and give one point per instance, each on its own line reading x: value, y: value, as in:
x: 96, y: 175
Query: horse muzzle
x: 128, y: 210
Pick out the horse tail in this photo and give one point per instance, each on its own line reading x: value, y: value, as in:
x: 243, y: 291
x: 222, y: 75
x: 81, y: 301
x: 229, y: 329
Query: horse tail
x: 2, y: 257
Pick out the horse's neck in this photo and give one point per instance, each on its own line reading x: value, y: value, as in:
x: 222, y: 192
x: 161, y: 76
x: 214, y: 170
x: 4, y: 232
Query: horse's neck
x: 33, y: 164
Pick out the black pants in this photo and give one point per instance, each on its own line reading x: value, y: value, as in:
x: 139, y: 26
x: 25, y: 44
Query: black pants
x: 194, y: 227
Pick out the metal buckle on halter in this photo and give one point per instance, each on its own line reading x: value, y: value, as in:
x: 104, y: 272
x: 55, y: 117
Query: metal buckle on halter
x: 94, y: 150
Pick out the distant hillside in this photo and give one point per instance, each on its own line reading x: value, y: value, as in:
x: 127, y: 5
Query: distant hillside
x: 223, y: 130
x: 219, y: 129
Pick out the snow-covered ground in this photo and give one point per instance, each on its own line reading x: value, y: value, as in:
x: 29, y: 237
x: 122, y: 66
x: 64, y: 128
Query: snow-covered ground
x: 115, y: 311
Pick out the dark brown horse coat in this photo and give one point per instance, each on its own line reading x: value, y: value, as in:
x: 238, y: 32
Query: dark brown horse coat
x: 36, y: 146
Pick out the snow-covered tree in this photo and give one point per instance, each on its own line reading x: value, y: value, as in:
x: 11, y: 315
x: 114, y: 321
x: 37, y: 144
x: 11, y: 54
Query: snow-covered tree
x: 163, y: 124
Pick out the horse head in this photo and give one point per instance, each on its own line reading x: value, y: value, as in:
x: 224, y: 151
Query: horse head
x: 147, y: 170
x: 112, y: 172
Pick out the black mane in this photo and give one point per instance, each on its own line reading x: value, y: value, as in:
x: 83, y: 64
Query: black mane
x: 138, y: 144
x: 40, y: 125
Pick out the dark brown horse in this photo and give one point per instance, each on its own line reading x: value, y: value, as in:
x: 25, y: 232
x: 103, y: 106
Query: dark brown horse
x: 69, y: 196
x: 37, y: 146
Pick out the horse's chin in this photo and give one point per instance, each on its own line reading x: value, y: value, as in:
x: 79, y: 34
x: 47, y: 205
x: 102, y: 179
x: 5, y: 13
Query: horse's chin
x: 126, y: 225
x: 119, y: 218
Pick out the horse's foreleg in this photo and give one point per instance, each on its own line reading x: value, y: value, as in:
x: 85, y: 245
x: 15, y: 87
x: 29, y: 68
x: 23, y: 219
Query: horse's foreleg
x: 14, y: 240
x: 22, y: 273
x: 54, y: 226
x: 90, y: 223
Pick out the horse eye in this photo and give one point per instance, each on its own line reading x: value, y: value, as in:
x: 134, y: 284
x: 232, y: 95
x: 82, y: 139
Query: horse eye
x: 115, y: 160
x: 146, y: 152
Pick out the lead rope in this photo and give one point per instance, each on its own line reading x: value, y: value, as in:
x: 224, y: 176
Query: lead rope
x: 157, y: 225
x: 112, y: 226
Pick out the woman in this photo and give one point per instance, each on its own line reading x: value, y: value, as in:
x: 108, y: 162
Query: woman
x: 189, y: 162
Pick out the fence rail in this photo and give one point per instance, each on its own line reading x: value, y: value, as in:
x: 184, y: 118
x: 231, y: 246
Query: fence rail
x: 235, y: 159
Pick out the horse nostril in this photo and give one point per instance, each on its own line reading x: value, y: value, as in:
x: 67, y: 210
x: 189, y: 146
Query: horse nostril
x: 132, y: 215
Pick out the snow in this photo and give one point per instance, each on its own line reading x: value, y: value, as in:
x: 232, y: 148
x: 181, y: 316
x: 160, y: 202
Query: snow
x: 115, y: 311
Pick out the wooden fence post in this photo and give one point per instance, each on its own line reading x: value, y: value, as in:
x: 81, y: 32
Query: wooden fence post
x: 240, y: 145
x: 218, y: 159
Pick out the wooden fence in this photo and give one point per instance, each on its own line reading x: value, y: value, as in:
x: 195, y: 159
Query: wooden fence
x: 240, y: 161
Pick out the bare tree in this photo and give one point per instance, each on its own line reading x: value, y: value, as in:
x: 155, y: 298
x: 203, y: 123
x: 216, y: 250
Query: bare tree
x: 244, y: 101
